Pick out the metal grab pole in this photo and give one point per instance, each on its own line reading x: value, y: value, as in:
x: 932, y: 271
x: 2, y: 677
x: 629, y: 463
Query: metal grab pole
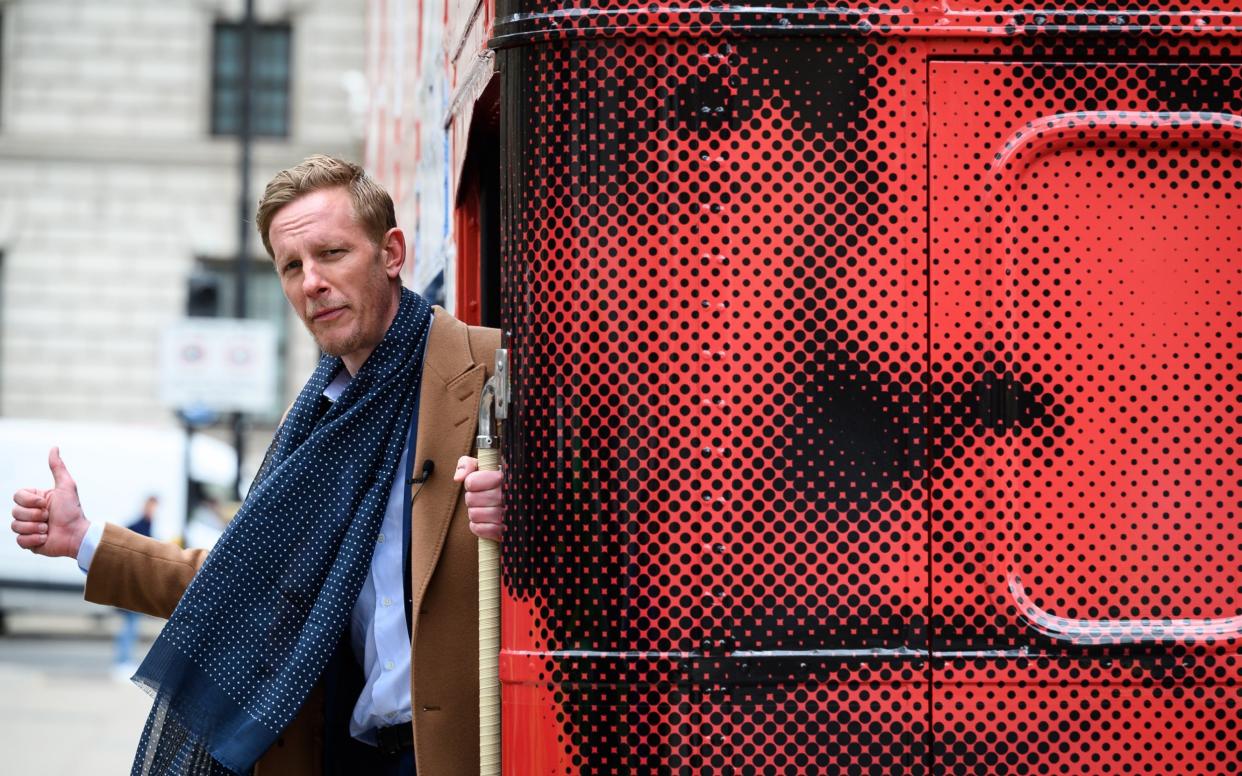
x: 493, y: 407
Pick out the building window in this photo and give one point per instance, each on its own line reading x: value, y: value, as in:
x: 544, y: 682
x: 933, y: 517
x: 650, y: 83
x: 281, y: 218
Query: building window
x: 270, y: 76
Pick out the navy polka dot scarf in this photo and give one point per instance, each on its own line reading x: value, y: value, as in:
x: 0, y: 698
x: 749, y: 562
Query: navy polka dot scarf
x: 256, y: 627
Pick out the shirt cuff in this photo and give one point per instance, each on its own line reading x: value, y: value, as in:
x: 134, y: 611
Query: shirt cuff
x: 90, y: 542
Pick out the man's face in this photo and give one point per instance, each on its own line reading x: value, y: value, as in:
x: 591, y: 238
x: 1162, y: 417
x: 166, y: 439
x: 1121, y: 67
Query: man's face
x: 339, y: 282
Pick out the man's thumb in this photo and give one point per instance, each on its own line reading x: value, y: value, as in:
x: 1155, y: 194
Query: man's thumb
x: 60, y: 474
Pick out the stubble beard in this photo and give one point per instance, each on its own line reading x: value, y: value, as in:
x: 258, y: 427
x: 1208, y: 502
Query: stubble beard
x: 349, y: 345
x: 368, y: 324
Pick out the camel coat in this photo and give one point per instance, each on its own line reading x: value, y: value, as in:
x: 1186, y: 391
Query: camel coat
x: 144, y: 575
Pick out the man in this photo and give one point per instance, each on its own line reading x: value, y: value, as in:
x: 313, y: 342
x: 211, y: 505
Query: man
x: 259, y: 662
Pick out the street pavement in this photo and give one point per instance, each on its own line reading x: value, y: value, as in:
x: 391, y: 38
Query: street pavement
x: 62, y: 713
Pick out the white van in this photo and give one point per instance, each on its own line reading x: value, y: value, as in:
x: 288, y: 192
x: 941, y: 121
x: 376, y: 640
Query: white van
x: 116, y: 467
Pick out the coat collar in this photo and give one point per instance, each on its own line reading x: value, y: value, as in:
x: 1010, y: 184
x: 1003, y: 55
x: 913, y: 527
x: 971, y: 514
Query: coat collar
x: 448, y: 355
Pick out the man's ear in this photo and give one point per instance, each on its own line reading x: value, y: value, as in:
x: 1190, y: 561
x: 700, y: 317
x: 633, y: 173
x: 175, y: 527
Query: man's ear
x: 392, y: 252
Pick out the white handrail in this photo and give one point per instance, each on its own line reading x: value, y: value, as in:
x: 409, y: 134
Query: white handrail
x: 1089, y: 631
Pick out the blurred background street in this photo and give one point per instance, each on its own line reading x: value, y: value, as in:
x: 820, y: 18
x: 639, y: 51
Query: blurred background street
x: 142, y: 329
x: 131, y: 279
x: 64, y: 712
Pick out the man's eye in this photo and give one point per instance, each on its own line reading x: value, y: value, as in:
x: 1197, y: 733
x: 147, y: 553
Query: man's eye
x: 289, y: 267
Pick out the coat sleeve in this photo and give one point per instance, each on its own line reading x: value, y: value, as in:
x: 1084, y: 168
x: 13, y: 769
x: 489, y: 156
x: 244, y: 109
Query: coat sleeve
x: 139, y: 573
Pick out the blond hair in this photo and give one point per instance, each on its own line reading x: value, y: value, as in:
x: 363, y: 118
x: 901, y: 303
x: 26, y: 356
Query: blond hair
x: 373, y: 207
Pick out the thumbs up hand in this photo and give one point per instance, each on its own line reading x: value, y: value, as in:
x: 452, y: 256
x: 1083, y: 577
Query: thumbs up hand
x: 50, y: 522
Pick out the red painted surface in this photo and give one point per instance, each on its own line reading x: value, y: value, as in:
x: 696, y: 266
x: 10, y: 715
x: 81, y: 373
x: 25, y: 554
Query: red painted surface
x: 878, y: 394
x: 876, y: 387
x: 466, y: 225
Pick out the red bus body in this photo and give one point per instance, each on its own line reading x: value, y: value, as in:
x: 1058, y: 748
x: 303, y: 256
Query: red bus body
x: 877, y: 404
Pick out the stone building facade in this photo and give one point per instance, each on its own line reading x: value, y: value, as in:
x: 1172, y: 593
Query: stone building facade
x: 119, y: 183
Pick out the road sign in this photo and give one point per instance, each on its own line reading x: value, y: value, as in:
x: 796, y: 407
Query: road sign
x: 223, y: 364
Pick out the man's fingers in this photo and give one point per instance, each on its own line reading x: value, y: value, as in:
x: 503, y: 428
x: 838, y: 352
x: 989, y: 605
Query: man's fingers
x: 28, y: 527
x: 30, y: 498
x: 487, y: 531
x: 30, y: 518
x: 60, y: 473
x: 465, y: 465
x: 487, y: 515
x: 484, y: 498
x: 30, y: 514
x: 483, y: 489
x: 32, y: 542
x: 480, y: 481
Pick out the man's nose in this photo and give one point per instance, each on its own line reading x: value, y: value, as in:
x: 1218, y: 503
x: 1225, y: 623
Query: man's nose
x: 313, y: 281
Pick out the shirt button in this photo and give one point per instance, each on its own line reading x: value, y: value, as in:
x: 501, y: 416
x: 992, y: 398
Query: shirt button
x: 379, y: 539
x: 387, y: 602
x: 389, y: 665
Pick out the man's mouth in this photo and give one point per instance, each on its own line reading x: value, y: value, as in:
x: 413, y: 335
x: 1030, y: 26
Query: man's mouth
x: 331, y: 313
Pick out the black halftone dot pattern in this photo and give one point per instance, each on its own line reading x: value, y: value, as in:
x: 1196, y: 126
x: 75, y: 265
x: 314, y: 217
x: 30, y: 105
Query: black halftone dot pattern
x: 729, y: 445
x: 876, y: 407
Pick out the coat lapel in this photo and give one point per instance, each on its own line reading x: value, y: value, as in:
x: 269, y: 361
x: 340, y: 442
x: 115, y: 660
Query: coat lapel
x: 448, y: 414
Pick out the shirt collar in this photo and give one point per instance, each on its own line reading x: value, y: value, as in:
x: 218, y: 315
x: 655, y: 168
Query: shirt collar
x: 338, y: 385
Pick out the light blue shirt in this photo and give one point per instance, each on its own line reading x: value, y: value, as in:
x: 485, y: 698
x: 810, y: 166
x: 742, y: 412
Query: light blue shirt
x: 377, y: 627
